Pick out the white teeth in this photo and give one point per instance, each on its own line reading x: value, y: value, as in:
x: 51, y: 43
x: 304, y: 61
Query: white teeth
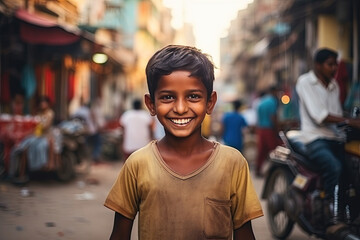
x: 181, y: 121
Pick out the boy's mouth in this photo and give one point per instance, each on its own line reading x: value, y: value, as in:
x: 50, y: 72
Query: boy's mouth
x: 181, y: 121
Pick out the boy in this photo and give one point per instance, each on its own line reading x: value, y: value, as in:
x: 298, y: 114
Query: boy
x: 183, y: 186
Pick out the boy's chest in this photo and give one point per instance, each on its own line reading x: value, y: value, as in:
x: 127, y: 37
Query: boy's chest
x: 185, y: 165
x: 205, y: 179
x: 178, y: 205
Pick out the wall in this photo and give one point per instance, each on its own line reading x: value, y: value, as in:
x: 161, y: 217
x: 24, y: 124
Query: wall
x: 333, y: 35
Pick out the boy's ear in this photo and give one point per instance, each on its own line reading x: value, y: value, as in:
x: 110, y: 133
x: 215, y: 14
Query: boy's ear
x: 150, y: 104
x: 211, y: 103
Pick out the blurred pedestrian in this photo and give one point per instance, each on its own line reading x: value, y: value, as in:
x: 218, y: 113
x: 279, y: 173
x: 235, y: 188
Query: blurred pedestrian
x: 267, y: 128
x: 45, y: 115
x: 43, y: 147
x: 87, y: 115
x: 37, y: 150
x: 233, y: 126
x: 320, y: 111
x: 183, y: 186
x: 138, y: 127
x: 17, y: 104
x: 255, y: 105
x: 99, y: 122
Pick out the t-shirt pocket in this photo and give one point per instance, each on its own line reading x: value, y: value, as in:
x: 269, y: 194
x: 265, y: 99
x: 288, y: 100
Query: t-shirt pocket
x: 217, y: 219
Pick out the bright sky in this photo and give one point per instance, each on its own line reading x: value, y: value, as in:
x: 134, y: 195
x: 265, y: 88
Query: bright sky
x: 210, y: 18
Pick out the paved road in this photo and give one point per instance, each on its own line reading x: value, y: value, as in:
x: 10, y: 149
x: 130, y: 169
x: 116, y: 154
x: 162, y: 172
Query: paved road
x: 47, y: 209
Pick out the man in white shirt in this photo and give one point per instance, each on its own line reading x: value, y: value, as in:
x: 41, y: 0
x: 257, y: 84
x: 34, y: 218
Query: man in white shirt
x: 320, y: 111
x: 138, y: 127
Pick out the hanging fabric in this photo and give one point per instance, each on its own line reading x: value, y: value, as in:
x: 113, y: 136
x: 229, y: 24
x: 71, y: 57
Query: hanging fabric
x: 28, y: 81
x: 71, y: 86
x: 49, y: 84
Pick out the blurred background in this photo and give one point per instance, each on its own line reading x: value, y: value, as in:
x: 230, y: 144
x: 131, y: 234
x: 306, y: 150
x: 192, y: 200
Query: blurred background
x: 73, y: 50
x: 77, y: 51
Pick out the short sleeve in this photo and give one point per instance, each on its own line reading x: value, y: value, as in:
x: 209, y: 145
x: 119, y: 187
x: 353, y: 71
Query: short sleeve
x: 123, y: 119
x: 245, y: 203
x: 123, y: 197
x: 309, y: 95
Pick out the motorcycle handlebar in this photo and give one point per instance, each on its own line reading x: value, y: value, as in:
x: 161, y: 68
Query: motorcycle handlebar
x: 351, y: 236
x: 345, y: 234
x: 342, y: 124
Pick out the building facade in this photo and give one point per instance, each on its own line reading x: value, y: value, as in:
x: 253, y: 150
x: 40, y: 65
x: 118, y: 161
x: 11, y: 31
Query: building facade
x: 275, y: 42
x: 47, y: 48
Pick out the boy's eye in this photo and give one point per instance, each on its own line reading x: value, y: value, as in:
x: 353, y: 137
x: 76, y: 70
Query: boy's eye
x: 166, y: 97
x: 194, y: 96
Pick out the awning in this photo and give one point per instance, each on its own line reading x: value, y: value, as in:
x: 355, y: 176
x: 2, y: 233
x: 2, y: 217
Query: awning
x: 38, y: 30
x: 121, y: 55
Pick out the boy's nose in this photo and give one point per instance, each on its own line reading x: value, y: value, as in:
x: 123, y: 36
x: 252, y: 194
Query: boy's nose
x: 180, y: 106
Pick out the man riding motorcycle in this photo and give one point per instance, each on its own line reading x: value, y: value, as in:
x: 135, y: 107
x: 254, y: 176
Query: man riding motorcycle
x: 320, y: 112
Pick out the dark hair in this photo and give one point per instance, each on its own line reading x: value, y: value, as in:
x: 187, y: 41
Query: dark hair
x: 44, y: 99
x: 176, y: 57
x: 322, y: 54
x: 236, y: 104
x: 137, y: 104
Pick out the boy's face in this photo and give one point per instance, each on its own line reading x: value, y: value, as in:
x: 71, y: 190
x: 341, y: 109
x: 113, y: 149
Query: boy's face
x: 181, y: 103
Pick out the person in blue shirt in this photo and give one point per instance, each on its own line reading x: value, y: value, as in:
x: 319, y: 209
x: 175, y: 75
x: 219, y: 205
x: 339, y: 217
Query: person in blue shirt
x: 267, y: 127
x: 233, y: 125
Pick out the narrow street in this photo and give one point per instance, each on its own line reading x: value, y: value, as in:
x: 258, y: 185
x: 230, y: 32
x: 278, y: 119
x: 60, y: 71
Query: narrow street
x: 78, y: 66
x: 48, y: 209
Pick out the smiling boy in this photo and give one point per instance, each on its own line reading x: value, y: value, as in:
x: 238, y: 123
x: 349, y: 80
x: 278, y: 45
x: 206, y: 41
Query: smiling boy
x: 183, y: 186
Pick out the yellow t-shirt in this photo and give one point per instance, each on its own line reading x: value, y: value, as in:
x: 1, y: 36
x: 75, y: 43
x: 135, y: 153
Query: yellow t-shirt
x: 208, y: 203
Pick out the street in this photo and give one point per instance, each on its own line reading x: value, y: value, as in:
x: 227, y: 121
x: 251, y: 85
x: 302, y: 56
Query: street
x: 48, y: 209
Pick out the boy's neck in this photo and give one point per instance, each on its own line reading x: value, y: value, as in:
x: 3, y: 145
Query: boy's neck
x: 183, y: 146
x: 185, y: 155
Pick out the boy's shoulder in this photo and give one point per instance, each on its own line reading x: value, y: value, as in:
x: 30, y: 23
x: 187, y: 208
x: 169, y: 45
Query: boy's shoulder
x: 230, y: 155
x: 142, y: 154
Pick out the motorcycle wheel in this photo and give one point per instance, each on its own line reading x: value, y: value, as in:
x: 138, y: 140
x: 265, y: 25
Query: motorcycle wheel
x: 66, y: 170
x: 280, y: 223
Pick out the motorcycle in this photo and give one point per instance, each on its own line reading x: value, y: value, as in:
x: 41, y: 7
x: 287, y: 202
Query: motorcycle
x: 294, y: 192
x: 75, y: 157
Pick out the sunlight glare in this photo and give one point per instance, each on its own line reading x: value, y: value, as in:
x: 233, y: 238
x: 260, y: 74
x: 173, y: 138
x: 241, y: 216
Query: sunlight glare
x: 210, y: 19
